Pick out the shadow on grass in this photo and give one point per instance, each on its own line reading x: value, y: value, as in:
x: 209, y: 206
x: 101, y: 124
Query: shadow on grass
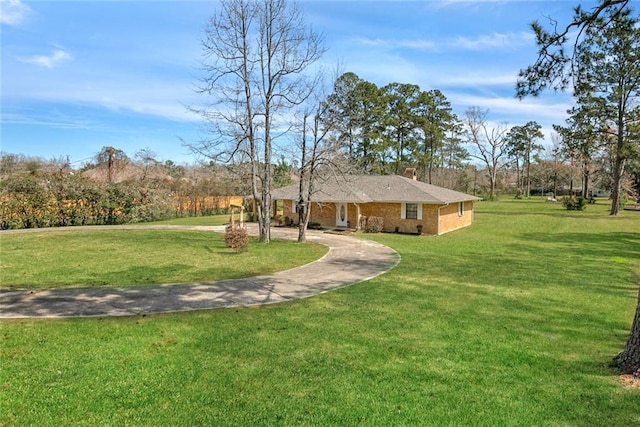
x: 598, y: 263
x: 597, y: 245
x: 562, y: 213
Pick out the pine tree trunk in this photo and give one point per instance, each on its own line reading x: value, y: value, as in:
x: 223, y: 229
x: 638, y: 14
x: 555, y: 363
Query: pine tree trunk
x: 618, y: 171
x: 585, y: 182
x: 528, y: 179
x: 628, y: 361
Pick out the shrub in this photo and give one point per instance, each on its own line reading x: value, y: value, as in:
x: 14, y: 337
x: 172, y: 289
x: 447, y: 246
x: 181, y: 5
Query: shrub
x: 236, y: 238
x: 50, y: 201
x: 314, y: 226
x: 374, y: 224
x: 574, y: 203
x: 623, y: 200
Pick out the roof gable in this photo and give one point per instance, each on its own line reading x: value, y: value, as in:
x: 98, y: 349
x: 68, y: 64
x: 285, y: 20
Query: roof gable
x: 375, y: 188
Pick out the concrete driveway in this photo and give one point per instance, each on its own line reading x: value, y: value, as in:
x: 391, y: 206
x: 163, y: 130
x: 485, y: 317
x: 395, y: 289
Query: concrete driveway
x: 349, y: 260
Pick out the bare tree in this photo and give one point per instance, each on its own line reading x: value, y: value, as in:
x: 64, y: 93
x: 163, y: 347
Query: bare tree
x: 147, y: 160
x: 319, y: 154
x: 255, y: 55
x: 490, y: 143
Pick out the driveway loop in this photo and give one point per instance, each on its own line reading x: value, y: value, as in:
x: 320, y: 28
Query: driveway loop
x: 349, y: 261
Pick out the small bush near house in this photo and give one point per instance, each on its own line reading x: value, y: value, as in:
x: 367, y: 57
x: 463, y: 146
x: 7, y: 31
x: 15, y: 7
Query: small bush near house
x: 374, y: 224
x: 574, y: 203
x: 314, y: 226
x: 236, y: 238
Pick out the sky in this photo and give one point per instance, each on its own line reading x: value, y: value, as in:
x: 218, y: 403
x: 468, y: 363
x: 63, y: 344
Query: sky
x: 77, y: 76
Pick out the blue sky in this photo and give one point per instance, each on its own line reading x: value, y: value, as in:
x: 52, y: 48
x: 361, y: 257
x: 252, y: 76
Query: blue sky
x: 80, y: 75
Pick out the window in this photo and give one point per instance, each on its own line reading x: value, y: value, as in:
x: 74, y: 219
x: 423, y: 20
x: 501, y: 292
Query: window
x: 460, y: 208
x: 412, y: 211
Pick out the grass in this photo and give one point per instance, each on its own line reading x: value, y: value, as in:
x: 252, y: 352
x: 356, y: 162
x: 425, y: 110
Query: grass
x: 509, y: 322
x: 138, y: 257
x: 197, y: 220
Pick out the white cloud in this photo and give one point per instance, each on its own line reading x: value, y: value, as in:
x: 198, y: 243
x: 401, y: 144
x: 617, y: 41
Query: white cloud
x: 49, y: 119
x: 514, y: 111
x: 495, y: 40
x: 478, y: 43
x: 473, y: 79
x: 118, y: 94
x: 13, y: 12
x: 50, y: 61
x: 392, y: 44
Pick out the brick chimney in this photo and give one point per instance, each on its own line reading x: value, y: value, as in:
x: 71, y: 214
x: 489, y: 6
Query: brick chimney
x: 410, y: 173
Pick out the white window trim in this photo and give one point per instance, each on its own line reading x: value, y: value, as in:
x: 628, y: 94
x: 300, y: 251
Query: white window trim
x: 460, y: 208
x: 403, y: 211
x: 294, y: 206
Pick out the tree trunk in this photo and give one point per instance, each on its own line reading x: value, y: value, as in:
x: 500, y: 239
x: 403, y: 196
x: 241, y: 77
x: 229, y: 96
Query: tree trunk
x: 265, y: 222
x: 585, y: 182
x: 302, y: 217
x: 528, y: 178
x: 615, y: 190
x: 628, y: 361
x: 571, y: 179
x: 493, y: 177
x: 265, y: 225
x: 431, y: 156
x: 303, y: 221
x: 518, y: 177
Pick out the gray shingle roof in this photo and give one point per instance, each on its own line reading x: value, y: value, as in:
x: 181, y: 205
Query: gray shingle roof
x: 375, y: 188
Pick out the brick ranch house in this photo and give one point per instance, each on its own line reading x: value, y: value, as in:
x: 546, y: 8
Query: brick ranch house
x: 403, y: 202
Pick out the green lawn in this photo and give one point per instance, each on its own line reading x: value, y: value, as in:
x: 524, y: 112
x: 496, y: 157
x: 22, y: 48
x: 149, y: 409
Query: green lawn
x: 511, y: 321
x: 198, y: 220
x: 108, y: 257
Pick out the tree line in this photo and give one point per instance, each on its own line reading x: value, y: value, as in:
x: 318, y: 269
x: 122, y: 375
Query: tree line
x: 111, y: 189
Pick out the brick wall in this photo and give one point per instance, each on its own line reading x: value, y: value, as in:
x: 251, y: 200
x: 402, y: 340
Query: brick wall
x: 451, y: 220
x: 322, y: 213
x: 288, y: 209
x: 325, y: 215
x: 391, y: 213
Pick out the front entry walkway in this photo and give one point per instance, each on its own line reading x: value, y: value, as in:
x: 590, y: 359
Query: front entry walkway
x: 349, y: 260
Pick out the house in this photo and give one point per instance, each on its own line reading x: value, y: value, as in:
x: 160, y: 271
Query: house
x: 405, y: 204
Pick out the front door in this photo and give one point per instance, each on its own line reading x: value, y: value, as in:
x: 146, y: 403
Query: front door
x: 341, y: 215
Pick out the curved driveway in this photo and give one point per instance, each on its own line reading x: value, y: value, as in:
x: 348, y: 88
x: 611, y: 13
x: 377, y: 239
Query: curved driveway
x: 349, y: 260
